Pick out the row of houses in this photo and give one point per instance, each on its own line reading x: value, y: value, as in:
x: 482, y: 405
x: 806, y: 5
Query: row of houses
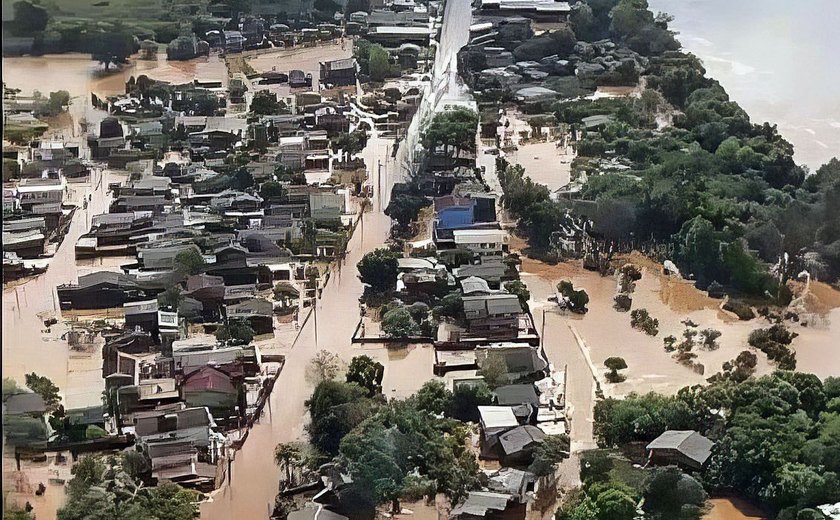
x: 36, y: 210
x: 224, y: 225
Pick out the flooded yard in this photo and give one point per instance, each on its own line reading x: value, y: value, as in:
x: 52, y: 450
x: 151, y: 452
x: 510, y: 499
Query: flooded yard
x: 606, y: 332
x: 732, y: 509
x: 546, y: 159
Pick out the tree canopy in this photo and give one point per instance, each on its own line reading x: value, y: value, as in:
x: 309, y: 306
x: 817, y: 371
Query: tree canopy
x: 366, y: 373
x: 378, y: 269
x: 102, y: 488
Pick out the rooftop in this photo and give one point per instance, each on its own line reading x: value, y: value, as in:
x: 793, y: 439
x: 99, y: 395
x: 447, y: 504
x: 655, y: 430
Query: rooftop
x: 688, y: 442
x: 497, y: 417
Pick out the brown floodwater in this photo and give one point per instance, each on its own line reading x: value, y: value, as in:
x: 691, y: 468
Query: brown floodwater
x: 29, y: 347
x: 79, y: 75
x: 732, y: 509
x: 254, y: 476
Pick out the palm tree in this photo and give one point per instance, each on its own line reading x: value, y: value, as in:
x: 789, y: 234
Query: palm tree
x: 288, y: 456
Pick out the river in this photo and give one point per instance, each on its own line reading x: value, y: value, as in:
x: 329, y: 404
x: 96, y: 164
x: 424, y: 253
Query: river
x: 777, y: 58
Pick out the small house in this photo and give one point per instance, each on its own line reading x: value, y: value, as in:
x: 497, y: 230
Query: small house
x: 338, y: 72
x: 685, y: 448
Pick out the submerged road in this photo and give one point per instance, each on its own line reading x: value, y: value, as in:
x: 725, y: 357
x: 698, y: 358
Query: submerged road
x: 254, y: 477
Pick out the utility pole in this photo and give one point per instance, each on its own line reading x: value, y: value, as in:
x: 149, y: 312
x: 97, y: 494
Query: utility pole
x: 315, y: 313
x: 379, y: 183
x: 542, y: 329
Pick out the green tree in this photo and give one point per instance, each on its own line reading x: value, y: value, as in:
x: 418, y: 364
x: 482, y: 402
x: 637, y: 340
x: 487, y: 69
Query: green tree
x: 453, y: 131
x: 265, y: 103
x: 42, y: 386
x: 518, y: 288
x: 349, y: 142
x: 466, y: 398
x: 326, y: 365
x: 553, y: 450
x: 189, y: 262
x: 614, y: 364
x: 366, y: 373
x: 335, y: 408
x: 577, y: 300
x: 435, y: 398
x: 101, y: 488
x: 10, y: 388
x: 669, y: 493
x: 450, y: 306
x: 171, y: 298
x: 400, y: 440
x: 288, y: 455
x: 378, y: 269
x: 494, y: 370
x: 113, y: 46
x: 236, y: 332
x: 398, y: 323
x: 28, y: 19
x: 379, y: 65
x: 404, y: 208
x: 272, y: 190
x: 615, y: 504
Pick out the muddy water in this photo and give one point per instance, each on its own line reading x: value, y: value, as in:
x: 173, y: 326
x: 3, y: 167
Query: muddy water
x: 545, y: 162
x: 254, y: 475
x: 732, y: 509
x: 607, y: 332
x: 81, y: 76
x: 27, y: 346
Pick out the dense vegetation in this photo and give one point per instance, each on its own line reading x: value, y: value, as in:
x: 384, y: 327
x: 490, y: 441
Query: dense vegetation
x: 111, y: 487
x: 394, y: 449
x: 684, y: 164
x: 778, y: 436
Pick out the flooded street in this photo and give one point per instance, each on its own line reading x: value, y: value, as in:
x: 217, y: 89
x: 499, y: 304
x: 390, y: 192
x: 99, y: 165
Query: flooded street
x: 26, y: 345
x: 254, y: 475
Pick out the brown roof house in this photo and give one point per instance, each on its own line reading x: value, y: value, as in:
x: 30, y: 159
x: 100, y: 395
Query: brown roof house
x: 685, y: 448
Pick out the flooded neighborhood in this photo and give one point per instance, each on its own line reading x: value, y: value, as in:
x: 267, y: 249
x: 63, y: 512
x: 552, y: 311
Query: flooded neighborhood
x: 409, y: 259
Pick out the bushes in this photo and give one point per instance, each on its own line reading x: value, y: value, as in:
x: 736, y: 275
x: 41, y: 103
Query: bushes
x: 615, y: 364
x: 640, y: 418
x: 774, y: 342
x: 467, y: 398
x: 640, y: 319
x: 575, y: 300
x: 398, y: 323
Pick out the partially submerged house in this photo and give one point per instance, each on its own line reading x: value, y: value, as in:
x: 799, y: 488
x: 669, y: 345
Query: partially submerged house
x: 493, y: 315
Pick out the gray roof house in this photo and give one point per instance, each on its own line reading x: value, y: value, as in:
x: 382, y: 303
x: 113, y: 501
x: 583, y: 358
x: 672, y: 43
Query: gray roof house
x: 481, y: 504
x: 517, y: 445
x: 686, y: 448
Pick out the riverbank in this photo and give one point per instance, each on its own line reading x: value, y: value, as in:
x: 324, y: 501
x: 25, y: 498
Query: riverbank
x: 765, y: 71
